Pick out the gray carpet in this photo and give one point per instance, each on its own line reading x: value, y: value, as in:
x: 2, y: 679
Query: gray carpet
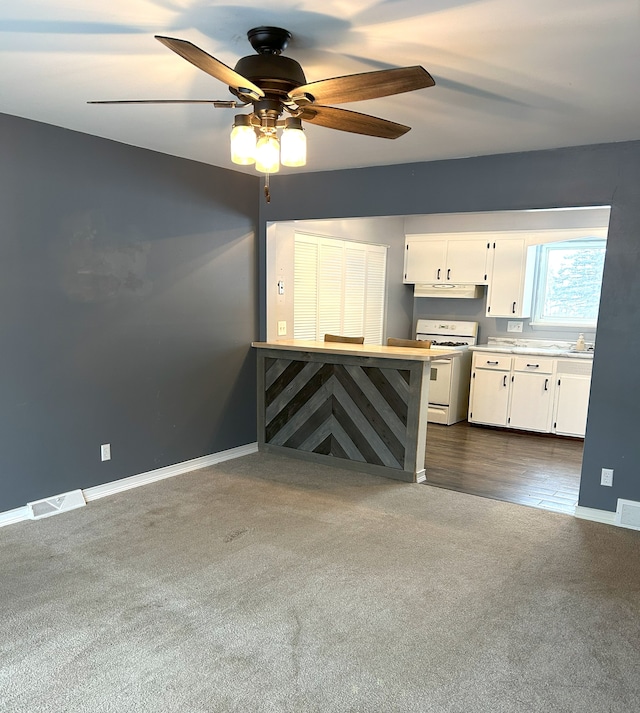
x: 267, y: 584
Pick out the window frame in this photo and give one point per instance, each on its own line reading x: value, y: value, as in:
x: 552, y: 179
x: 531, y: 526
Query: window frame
x: 540, y: 283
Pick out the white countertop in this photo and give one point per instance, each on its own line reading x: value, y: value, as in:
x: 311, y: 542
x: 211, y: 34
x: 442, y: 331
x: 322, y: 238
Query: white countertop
x: 365, y: 350
x: 534, y: 350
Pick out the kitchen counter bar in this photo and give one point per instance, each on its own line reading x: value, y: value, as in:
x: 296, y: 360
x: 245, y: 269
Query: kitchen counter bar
x: 359, y: 406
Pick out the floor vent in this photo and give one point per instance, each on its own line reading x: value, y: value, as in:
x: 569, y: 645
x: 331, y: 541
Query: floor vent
x: 58, y: 503
x: 628, y: 514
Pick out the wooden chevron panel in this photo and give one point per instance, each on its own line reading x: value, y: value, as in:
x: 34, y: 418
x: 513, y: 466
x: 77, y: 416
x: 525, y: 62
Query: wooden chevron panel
x: 346, y: 411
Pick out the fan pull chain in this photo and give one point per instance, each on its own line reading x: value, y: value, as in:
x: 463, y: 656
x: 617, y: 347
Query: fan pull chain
x: 267, y: 192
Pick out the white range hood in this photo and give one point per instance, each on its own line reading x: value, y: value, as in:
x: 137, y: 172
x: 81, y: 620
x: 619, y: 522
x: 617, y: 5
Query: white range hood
x: 446, y: 289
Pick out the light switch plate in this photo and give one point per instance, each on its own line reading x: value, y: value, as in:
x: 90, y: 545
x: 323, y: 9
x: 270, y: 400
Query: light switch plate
x: 514, y: 326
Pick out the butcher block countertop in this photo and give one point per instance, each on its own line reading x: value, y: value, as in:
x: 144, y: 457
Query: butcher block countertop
x: 363, y: 350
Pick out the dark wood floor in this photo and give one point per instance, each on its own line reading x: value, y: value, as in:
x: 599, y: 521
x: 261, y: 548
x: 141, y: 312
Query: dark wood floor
x: 519, y: 467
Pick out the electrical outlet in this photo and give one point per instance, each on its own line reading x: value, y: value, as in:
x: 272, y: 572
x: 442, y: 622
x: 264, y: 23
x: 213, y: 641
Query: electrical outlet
x: 105, y: 451
x: 282, y: 328
x: 606, y: 477
x: 514, y: 326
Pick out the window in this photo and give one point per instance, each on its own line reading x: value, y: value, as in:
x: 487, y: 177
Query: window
x: 339, y: 288
x: 568, y: 282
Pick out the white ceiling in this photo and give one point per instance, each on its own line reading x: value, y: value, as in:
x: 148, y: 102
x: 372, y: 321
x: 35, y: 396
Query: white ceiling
x: 511, y: 75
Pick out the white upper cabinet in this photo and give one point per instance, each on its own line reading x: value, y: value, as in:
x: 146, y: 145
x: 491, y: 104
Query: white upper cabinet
x: 435, y: 259
x: 511, y: 286
x: 467, y: 261
x: 424, y: 260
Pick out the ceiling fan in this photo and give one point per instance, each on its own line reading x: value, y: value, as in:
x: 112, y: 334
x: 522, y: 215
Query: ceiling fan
x: 275, y: 86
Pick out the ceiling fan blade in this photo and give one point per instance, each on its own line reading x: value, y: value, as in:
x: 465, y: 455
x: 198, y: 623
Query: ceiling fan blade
x: 219, y: 104
x: 352, y: 121
x: 366, y: 85
x: 211, y: 66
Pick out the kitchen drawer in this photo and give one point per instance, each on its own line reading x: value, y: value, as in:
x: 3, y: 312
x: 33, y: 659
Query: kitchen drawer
x: 500, y: 362
x: 533, y: 364
x: 578, y: 367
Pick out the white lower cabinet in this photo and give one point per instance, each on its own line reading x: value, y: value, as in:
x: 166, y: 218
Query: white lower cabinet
x: 531, y: 394
x: 490, y: 386
x: 573, y: 384
x: 547, y: 395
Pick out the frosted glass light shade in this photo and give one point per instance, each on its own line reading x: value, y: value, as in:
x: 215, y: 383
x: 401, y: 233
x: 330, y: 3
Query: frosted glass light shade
x: 268, y: 154
x: 293, y: 149
x: 243, y: 145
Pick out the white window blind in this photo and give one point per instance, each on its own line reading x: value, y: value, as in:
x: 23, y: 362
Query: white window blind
x: 330, y: 278
x: 305, y: 290
x: 355, y: 276
x: 375, y: 296
x: 339, y: 288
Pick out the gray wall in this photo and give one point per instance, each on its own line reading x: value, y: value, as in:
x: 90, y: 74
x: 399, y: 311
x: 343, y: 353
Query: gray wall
x: 127, y: 304
x: 582, y: 176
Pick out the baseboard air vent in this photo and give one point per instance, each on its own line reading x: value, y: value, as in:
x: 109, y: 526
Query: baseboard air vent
x: 628, y: 514
x: 58, y: 503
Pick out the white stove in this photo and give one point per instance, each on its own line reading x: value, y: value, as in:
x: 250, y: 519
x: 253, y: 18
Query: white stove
x: 450, y: 378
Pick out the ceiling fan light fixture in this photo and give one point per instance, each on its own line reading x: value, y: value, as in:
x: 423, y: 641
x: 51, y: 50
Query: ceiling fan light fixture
x: 293, y: 143
x: 243, y: 140
x: 268, y: 154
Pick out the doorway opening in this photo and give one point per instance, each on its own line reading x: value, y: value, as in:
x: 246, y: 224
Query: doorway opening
x: 532, y: 468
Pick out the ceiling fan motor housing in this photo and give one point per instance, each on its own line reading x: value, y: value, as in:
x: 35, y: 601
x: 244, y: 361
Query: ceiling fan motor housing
x: 274, y: 74
x: 271, y: 72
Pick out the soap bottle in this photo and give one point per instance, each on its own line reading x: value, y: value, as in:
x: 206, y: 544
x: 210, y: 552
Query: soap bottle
x: 580, y: 345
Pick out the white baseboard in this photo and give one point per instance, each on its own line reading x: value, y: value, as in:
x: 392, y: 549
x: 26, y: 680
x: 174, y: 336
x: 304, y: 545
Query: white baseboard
x: 604, y: 516
x: 135, y: 481
x: 9, y: 517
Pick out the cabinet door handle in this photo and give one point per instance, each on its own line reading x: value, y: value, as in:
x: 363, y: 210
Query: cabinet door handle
x: 492, y: 362
x: 533, y: 366
x: 513, y: 309
x: 449, y: 274
x: 504, y: 380
x: 546, y: 384
x: 438, y: 275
